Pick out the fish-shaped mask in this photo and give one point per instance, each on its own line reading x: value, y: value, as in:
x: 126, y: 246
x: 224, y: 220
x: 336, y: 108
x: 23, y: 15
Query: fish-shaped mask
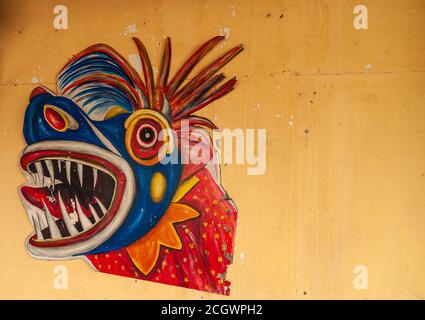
x: 106, y: 180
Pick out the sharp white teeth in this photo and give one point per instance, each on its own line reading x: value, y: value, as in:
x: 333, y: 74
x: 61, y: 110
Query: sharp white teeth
x: 85, y: 222
x: 66, y: 218
x: 49, y: 166
x: 59, y: 165
x: 102, y: 207
x: 54, y: 230
x: 94, y: 177
x: 94, y: 213
x: 68, y: 171
x: 80, y: 172
x: 37, y: 226
x: 40, y: 176
x: 34, y: 177
x: 41, y: 218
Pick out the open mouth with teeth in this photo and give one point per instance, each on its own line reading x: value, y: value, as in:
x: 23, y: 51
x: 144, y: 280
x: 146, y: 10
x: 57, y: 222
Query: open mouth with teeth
x: 76, y: 197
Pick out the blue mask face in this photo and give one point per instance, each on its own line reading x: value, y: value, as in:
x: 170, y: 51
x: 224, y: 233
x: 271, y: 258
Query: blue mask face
x: 75, y: 160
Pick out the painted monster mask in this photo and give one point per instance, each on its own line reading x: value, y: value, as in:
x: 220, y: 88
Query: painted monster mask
x: 101, y: 180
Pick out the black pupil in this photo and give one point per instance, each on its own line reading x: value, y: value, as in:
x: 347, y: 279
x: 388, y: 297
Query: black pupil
x: 147, y: 135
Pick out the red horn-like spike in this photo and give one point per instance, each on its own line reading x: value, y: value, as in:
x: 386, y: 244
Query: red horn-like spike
x: 216, y: 94
x: 197, y: 93
x: 208, y: 72
x: 190, y: 64
x: 165, y: 65
x: 147, y: 70
x: 163, y: 74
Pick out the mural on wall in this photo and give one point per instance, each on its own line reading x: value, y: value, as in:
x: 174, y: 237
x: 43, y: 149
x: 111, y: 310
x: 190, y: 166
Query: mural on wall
x: 102, y: 180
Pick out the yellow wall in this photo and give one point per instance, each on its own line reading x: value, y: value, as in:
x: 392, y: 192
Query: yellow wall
x: 349, y: 192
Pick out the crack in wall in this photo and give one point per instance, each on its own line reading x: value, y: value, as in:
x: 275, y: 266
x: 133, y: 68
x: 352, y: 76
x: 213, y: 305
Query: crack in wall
x: 272, y: 74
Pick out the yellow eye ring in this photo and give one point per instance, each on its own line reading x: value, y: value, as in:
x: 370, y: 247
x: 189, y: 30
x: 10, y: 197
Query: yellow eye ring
x: 158, y: 126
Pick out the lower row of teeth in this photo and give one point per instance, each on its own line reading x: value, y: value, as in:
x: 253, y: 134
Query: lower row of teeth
x: 70, y: 219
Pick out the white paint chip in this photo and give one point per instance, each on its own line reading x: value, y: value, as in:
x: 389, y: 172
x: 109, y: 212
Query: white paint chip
x: 368, y: 66
x: 225, y: 31
x: 131, y: 28
x: 233, y: 11
x: 291, y: 121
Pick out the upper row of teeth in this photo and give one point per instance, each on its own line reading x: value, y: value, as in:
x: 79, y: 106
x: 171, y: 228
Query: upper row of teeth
x: 70, y: 219
x: 40, y: 180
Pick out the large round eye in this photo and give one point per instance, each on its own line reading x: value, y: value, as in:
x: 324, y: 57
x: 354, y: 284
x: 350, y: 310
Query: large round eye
x: 147, y: 135
x: 58, y: 119
x: 148, y: 138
